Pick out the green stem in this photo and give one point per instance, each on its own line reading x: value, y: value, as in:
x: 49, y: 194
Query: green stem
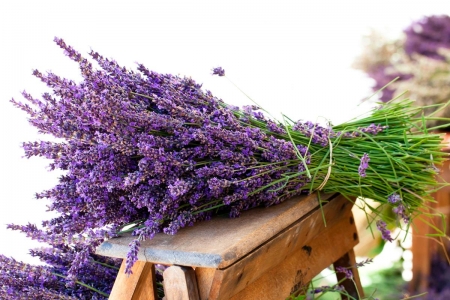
x: 105, y: 265
x: 84, y: 284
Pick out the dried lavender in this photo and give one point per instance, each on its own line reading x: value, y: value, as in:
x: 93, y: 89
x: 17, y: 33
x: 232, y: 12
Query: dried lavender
x: 326, y: 288
x: 23, y: 281
x: 427, y: 36
x: 420, y: 61
x: 394, y: 198
x: 385, y: 233
x: 347, y: 272
x: 218, y: 71
x: 363, y: 165
x: 157, y: 152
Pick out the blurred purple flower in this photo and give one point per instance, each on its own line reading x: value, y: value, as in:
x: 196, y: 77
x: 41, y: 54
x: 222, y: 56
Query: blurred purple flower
x: 401, y: 212
x: 394, y: 198
x: 385, y: 233
x: 427, y: 35
x: 348, y: 273
x: 364, y: 164
x: 364, y: 262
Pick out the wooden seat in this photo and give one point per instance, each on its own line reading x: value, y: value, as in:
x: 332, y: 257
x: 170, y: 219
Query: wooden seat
x: 267, y: 253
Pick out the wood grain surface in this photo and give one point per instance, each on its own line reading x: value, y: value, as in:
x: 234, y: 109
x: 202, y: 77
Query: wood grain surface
x: 219, y: 242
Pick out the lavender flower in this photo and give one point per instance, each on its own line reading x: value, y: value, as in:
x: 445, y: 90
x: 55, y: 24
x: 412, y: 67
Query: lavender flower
x: 218, y: 71
x: 364, y: 262
x: 132, y: 255
x: 394, y: 198
x: 348, y: 273
x: 427, y: 35
x: 400, y: 208
x: 364, y: 164
x: 19, y: 280
x: 385, y: 233
x: 401, y: 212
x: 326, y: 288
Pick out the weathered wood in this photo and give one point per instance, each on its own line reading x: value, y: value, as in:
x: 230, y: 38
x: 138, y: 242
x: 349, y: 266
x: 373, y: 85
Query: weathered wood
x: 141, y: 285
x: 231, y: 280
x: 180, y: 284
x: 205, y: 277
x: 267, y: 253
x: 298, y: 269
x: 219, y: 242
x: 352, y: 287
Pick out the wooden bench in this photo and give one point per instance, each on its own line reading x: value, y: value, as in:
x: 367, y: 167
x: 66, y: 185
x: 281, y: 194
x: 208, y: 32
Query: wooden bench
x: 267, y: 253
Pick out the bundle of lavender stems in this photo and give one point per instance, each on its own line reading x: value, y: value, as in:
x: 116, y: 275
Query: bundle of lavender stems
x: 149, y: 153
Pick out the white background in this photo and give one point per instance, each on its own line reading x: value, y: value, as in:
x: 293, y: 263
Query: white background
x: 290, y: 56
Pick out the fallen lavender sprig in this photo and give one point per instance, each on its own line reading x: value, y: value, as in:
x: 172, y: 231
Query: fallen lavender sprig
x: 158, y: 152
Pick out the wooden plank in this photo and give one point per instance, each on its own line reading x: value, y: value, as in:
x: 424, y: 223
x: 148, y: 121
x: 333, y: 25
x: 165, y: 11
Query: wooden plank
x: 219, y: 242
x: 352, y: 287
x: 205, y: 277
x: 299, y: 268
x: 141, y: 285
x: 180, y: 284
x: 296, y: 238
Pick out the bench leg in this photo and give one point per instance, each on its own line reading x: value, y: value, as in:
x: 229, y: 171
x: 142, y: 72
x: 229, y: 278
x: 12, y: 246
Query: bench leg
x: 141, y: 285
x: 353, y: 287
x: 180, y: 283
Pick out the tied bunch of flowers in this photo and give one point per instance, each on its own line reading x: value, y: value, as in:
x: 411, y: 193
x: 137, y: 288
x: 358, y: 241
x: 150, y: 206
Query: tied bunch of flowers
x: 418, y: 60
x: 158, y: 153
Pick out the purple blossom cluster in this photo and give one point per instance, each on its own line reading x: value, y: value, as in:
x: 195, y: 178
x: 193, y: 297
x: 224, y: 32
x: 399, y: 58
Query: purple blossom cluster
x: 23, y: 281
x: 385, y: 233
x: 424, y: 37
x: 364, y: 262
x: 427, y: 35
x: 321, y: 135
x: 394, y: 198
x: 399, y: 208
x: 151, y: 147
x: 327, y: 288
x: 364, y: 164
x: 346, y: 271
x: 219, y: 71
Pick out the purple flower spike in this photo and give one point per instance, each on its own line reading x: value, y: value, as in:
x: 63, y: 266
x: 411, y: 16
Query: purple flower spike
x: 218, y: 71
x: 385, y: 233
x: 394, y: 198
x: 132, y: 255
x: 401, y: 212
x: 364, y: 262
x: 348, y: 273
x: 364, y: 165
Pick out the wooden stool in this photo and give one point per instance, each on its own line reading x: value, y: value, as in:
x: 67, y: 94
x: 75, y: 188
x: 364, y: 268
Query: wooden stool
x: 267, y: 253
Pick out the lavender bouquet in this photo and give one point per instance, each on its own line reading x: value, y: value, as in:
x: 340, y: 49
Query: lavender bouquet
x: 149, y: 153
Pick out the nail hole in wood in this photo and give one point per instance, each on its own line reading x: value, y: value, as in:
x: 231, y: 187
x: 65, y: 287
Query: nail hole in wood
x: 307, y: 249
